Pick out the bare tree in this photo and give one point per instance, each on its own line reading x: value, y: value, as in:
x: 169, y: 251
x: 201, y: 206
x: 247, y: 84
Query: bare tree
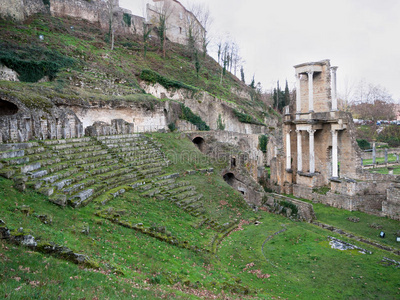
x: 111, y: 5
x: 372, y: 102
x: 163, y: 11
x: 202, y: 14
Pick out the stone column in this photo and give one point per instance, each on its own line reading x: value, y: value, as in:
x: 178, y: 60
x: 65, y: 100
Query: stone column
x: 310, y: 91
x: 288, y: 154
x: 373, y: 153
x: 335, y: 153
x: 397, y: 157
x: 299, y: 152
x: 312, y: 156
x: 298, y: 96
x: 334, y: 89
x: 386, y: 155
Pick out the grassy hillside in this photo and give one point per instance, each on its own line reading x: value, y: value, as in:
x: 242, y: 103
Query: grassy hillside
x: 150, y: 247
x: 75, y: 56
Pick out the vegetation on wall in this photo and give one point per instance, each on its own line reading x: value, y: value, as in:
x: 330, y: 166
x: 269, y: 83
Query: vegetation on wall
x: 154, y: 77
x: 34, y: 63
x: 191, y: 117
x: 220, y: 123
x: 245, y: 118
x: 127, y: 19
x: 263, y: 142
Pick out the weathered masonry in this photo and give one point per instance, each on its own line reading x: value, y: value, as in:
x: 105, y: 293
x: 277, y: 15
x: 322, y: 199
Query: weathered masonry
x: 321, y: 160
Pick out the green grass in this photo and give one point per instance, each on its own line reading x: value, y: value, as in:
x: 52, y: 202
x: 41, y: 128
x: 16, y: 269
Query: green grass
x: 295, y: 263
x: 380, y: 160
x: 396, y: 170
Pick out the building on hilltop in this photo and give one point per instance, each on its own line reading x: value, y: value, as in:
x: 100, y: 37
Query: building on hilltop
x: 180, y: 22
x: 320, y: 158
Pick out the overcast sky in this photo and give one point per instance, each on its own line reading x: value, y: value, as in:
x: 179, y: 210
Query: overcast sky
x: 361, y: 37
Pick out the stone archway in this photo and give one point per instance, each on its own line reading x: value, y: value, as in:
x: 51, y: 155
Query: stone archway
x: 7, y: 108
x: 200, y: 143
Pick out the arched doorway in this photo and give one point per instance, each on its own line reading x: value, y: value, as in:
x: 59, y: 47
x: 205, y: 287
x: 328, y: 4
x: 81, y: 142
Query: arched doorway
x: 200, y: 143
x: 7, y: 108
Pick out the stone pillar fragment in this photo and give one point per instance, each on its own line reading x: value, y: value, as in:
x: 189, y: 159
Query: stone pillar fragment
x: 299, y: 152
x: 288, y: 154
x: 310, y: 91
x: 312, y: 155
x: 373, y: 153
x: 335, y: 154
x: 334, y: 89
x: 386, y: 155
x: 298, y: 96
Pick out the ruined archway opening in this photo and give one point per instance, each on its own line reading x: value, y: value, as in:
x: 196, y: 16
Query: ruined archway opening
x: 229, y: 178
x: 7, y: 108
x: 199, y: 142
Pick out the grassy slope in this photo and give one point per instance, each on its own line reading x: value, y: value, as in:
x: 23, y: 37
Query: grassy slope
x: 296, y: 263
x: 96, y: 64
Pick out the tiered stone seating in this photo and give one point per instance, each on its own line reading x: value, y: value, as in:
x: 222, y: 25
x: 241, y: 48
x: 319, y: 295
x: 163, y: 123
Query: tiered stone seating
x: 76, y: 171
x: 181, y: 193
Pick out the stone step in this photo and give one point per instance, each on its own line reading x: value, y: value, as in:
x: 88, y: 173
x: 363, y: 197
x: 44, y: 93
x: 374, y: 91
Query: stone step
x: 121, y: 136
x: 188, y: 201
x: 67, y: 141
x: 151, y: 192
x: 74, y: 150
x: 143, y: 159
x: 12, y: 154
x: 179, y: 190
x: 84, y: 155
x: 183, y: 195
x: 59, y: 147
x: 17, y: 146
x: 149, y: 173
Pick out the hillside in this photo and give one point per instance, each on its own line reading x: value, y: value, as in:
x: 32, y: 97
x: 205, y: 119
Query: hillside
x: 75, y: 56
x: 148, y: 215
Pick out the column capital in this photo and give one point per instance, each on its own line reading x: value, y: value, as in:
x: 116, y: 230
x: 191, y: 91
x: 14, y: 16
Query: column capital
x: 334, y: 131
x: 311, y: 131
x: 310, y: 73
x: 298, y: 131
x: 334, y: 69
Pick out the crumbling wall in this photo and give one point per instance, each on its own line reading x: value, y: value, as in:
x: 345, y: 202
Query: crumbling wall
x: 28, y: 124
x: 19, y: 10
x: 117, y: 126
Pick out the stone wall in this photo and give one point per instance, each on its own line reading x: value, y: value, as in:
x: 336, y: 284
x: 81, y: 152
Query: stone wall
x: 19, y: 10
x: 25, y: 124
x: 391, y: 205
x: 8, y: 74
x: 178, y: 20
x: 94, y: 11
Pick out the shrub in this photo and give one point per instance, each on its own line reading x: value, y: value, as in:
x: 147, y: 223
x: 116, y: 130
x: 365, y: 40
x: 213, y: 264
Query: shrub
x: 220, y: 123
x: 172, y: 127
x: 289, y: 205
x: 32, y: 64
x: 245, y: 118
x: 154, y: 77
x: 363, y: 144
x: 188, y: 115
x: 262, y: 143
x: 390, y: 135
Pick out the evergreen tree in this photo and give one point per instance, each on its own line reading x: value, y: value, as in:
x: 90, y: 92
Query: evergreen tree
x: 287, y: 94
x: 242, y: 73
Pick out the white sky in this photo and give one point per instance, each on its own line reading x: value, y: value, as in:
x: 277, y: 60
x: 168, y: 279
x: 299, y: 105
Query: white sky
x: 361, y: 37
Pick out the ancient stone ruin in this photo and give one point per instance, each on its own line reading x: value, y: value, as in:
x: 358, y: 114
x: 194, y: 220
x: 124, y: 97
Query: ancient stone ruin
x: 321, y: 160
